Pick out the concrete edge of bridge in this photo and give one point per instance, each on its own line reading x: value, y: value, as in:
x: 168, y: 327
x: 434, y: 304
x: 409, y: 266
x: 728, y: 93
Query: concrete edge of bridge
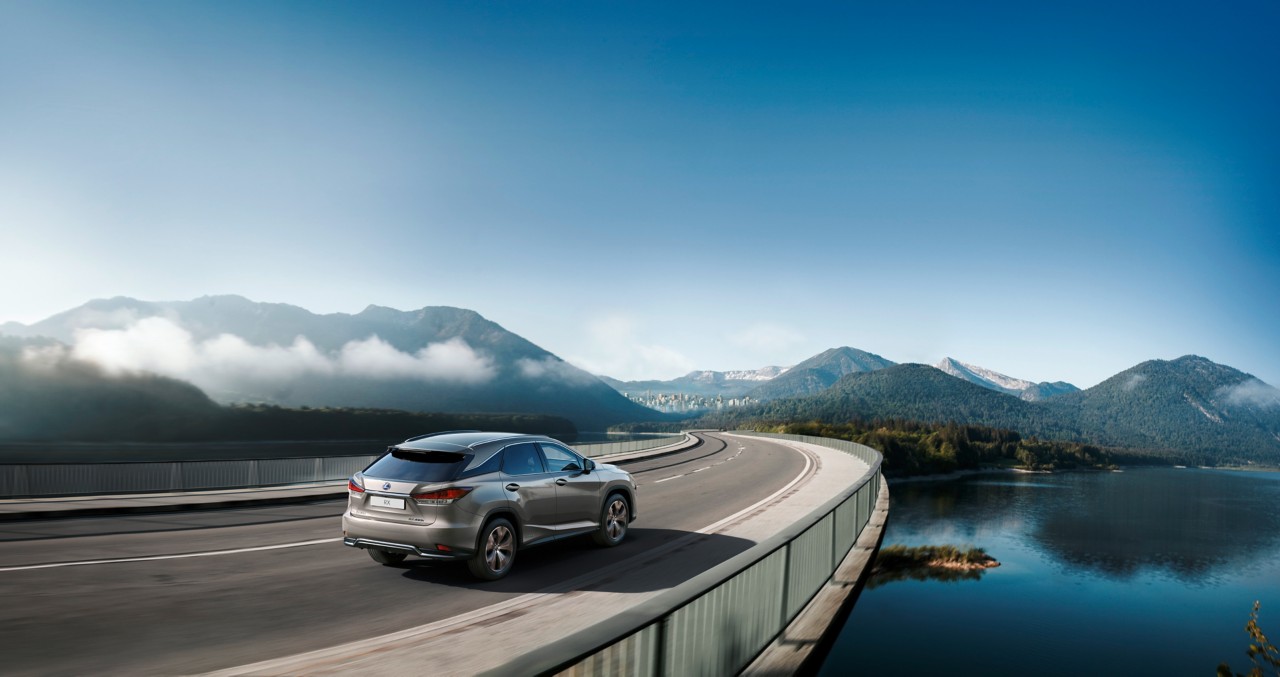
x: 804, y: 644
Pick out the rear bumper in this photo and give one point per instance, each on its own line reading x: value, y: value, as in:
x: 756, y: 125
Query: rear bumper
x: 423, y: 541
x: 365, y: 543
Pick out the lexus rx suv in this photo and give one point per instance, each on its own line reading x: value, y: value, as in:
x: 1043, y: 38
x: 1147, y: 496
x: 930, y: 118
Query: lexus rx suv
x: 482, y: 497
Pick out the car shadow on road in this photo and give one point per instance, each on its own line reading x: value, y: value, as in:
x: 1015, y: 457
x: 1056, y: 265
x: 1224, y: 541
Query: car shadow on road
x: 648, y: 560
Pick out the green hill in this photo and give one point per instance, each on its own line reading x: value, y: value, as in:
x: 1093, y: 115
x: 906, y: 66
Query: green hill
x: 1190, y: 408
x: 819, y: 373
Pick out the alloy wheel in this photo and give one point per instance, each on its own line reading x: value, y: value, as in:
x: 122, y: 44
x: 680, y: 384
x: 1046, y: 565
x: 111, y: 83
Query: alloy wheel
x: 497, y: 549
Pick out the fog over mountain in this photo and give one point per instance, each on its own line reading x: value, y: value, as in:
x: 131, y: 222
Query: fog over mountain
x: 433, y: 359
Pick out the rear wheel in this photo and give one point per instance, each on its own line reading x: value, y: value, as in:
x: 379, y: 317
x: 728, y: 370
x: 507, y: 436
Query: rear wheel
x: 614, y: 517
x: 386, y: 557
x: 497, y: 551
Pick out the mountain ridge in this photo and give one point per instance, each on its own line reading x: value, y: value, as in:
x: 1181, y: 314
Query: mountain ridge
x: 432, y: 359
x: 819, y: 373
x: 1189, y: 406
x: 989, y: 378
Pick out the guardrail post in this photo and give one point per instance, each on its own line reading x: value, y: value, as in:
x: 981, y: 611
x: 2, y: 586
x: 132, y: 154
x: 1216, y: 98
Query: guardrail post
x: 21, y: 483
x: 786, y: 583
x: 660, y: 642
x: 836, y: 555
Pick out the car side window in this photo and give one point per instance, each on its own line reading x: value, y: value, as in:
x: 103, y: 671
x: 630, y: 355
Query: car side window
x: 522, y: 459
x: 485, y: 468
x: 560, y: 459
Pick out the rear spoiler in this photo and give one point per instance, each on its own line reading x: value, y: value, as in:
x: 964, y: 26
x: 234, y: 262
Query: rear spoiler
x: 442, y: 432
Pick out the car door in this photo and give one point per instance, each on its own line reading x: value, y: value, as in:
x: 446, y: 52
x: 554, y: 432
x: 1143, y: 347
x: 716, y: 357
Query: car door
x: 578, y: 499
x: 531, y: 490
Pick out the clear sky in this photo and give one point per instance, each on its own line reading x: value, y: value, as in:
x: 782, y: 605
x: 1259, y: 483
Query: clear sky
x: 1054, y: 192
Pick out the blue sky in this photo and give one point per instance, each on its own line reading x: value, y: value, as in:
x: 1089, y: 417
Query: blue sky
x: 646, y: 188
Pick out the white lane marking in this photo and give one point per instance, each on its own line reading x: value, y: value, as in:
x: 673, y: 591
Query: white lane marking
x: 702, y: 468
x: 667, y: 479
x: 312, y: 661
x: 159, y: 557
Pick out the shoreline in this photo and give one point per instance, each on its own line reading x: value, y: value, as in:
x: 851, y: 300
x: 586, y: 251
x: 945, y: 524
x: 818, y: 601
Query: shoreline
x: 958, y: 474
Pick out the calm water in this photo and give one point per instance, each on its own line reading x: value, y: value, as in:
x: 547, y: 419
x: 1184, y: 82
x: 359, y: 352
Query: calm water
x: 1138, y: 573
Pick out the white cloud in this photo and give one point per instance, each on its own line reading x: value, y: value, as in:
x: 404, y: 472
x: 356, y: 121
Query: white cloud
x: 551, y: 368
x: 617, y: 349
x: 1250, y: 393
x: 765, y: 338
x: 227, y: 362
x: 452, y: 360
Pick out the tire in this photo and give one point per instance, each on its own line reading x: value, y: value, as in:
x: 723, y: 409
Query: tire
x: 386, y: 557
x: 496, y: 550
x: 614, y: 517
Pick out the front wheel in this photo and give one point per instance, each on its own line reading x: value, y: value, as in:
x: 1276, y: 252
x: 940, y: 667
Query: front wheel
x: 497, y: 551
x: 614, y: 517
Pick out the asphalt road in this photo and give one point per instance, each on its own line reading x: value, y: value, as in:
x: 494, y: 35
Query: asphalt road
x: 293, y: 587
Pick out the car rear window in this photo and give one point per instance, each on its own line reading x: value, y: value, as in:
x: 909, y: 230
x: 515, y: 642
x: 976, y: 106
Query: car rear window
x: 417, y: 466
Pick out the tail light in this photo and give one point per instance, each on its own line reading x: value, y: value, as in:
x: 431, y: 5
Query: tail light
x: 442, y: 496
x: 356, y: 484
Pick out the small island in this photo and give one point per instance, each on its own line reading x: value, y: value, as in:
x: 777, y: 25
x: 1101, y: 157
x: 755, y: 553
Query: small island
x: 929, y: 562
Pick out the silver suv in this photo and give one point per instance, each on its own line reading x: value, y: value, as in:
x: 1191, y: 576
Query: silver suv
x: 480, y: 497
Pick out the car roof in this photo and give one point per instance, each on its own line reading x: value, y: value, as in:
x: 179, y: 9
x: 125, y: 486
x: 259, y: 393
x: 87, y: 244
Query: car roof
x: 459, y: 441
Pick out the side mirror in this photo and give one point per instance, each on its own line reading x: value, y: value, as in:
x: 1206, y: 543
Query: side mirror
x: 591, y: 465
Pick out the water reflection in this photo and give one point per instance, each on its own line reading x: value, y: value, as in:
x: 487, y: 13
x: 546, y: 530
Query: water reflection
x: 942, y: 574
x: 1190, y: 525
x: 1193, y: 525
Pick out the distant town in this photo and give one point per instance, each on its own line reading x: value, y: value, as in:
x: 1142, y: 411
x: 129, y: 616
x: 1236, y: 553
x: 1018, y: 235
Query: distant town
x: 685, y: 402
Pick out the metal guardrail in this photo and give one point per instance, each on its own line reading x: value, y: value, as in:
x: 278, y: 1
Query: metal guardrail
x: 719, y: 621
x: 33, y: 480
x: 597, y: 449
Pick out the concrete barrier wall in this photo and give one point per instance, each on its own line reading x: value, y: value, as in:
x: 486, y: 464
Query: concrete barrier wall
x: 718, y: 622
x: 33, y: 480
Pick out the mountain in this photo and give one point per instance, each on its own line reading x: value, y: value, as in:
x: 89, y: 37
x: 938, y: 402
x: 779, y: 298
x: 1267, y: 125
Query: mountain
x: 998, y: 382
x: 1190, y: 406
x: 907, y: 391
x: 818, y: 373
x: 704, y: 383
x: 437, y: 359
x: 45, y: 395
x: 1190, y: 403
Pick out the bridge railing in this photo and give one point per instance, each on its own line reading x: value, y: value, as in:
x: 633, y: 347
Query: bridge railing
x: 719, y: 621
x: 34, y: 480
x: 597, y: 449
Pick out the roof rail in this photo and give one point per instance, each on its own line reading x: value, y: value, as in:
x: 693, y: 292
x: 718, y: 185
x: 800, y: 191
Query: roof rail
x: 442, y: 432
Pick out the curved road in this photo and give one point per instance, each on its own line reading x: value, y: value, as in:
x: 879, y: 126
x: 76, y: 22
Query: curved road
x: 189, y: 606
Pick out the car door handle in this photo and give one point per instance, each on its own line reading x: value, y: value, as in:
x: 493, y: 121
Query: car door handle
x: 513, y: 487
x: 562, y: 481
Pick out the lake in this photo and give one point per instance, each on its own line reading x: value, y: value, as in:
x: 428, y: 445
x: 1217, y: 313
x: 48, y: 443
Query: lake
x: 1147, y: 571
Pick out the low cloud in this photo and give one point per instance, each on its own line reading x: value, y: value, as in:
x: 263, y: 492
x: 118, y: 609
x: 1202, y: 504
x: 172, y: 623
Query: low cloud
x: 553, y: 369
x: 618, y: 350
x: 225, y: 362
x: 1133, y: 382
x: 1252, y: 393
